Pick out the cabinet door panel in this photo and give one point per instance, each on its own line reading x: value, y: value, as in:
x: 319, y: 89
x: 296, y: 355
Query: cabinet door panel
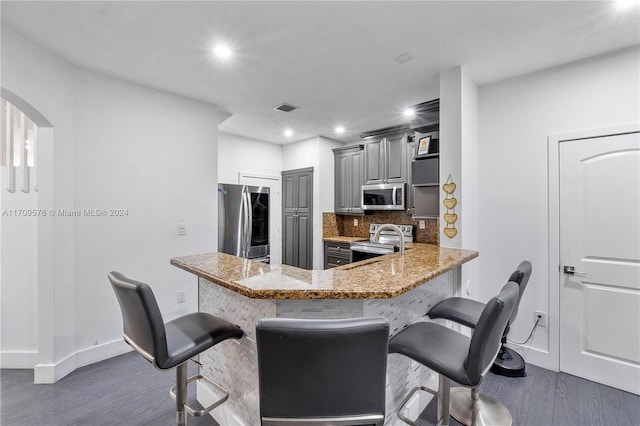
x: 305, y: 258
x: 374, y: 161
x: 289, y: 236
x: 304, y: 192
x: 357, y: 180
x: 289, y: 192
x: 396, y: 159
x: 342, y: 183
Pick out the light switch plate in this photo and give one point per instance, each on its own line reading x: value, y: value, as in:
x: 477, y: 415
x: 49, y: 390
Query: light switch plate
x: 355, y: 221
x: 182, y: 229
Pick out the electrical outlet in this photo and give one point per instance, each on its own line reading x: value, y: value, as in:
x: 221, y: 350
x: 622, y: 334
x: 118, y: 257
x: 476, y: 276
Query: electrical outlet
x: 542, y: 316
x: 182, y: 229
x: 182, y: 296
x: 355, y: 221
x: 422, y: 224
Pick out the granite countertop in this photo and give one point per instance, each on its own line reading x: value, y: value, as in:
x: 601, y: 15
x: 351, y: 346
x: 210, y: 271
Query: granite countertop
x: 383, y: 277
x: 340, y: 239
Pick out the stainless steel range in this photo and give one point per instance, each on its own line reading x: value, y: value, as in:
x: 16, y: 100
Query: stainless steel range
x: 388, y: 242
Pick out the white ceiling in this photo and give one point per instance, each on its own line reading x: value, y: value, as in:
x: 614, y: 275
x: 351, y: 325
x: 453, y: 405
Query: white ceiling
x: 333, y: 59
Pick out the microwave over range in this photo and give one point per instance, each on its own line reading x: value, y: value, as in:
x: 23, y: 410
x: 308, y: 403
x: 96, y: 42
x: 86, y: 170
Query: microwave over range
x: 384, y: 196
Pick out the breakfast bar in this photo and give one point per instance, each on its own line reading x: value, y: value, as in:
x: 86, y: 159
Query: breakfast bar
x: 401, y: 288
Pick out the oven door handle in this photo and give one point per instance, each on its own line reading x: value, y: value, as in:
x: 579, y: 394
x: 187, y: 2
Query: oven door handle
x: 370, y: 250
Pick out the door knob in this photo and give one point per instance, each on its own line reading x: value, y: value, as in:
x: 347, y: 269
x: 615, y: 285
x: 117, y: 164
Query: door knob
x: 572, y: 271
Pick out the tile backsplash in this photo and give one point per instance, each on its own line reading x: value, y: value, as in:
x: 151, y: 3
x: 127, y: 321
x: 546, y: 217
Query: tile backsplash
x: 334, y: 225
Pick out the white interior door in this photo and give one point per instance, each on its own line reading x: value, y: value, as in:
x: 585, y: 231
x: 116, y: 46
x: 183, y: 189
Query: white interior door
x: 275, y: 209
x: 600, y: 238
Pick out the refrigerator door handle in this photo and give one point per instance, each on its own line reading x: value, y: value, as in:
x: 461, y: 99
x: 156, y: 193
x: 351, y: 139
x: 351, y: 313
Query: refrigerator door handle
x: 248, y: 222
x: 242, y: 241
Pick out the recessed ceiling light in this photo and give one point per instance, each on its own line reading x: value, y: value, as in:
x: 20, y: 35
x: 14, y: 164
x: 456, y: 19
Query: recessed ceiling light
x: 339, y: 129
x: 222, y: 51
x: 288, y: 132
x: 409, y: 113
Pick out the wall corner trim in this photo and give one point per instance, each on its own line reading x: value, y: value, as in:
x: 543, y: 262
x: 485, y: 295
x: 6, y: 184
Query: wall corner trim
x: 51, y: 373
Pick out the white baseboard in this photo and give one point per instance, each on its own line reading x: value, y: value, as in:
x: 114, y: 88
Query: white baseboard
x: 51, y: 373
x: 18, y: 359
x: 101, y: 352
x: 223, y: 414
x: 536, y: 356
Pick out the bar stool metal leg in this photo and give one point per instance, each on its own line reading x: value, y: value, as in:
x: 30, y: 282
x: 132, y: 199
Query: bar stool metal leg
x: 470, y: 407
x: 444, y: 387
x: 181, y: 394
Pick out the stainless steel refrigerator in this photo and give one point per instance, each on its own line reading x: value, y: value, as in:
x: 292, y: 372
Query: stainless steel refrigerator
x: 243, y: 221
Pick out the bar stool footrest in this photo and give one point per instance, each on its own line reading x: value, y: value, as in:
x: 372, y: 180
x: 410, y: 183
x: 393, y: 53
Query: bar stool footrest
x: 406, y: 400
x: 191, y: 410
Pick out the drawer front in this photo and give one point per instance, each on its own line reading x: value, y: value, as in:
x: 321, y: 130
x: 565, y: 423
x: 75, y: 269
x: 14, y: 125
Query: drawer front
x: 338, y: 249
x: 339, y: 252
x: 336, y: 254
x: 333, y: 261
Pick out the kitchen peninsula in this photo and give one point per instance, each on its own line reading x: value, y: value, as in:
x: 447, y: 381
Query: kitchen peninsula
x: 400, y: 288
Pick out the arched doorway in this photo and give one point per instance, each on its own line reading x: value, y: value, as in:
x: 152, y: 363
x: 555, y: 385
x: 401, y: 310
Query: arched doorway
x: 25, y: 231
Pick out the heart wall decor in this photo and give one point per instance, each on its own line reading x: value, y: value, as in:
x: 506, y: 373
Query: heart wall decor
x: 450, y: 202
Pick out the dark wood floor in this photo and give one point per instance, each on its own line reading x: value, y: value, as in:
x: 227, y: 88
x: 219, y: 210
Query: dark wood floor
x: 127, y: 390
x: 547, y: 398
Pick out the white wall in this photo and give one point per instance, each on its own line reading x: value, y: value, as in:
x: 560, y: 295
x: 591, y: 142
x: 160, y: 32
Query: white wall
x: 239, y: 154
x: 516, y: 117
x: 19, y: 289
x: 451, y: 125
x: 116, y: 145
x: 155, y: 155
x: 326, y: 175
x: 469, y: 178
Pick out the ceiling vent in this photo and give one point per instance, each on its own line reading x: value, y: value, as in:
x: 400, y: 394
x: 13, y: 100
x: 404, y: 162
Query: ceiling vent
x: 285, y: 107
x: 405, y: 57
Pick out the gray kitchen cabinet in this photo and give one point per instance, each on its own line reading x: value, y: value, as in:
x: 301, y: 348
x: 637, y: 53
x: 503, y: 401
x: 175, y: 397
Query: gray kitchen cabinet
x: 349, y: 178
x: 411, y: 155
x: 385, y: 159
x: 336, y: 254
x: 374, y: 161
x: 297, y: 218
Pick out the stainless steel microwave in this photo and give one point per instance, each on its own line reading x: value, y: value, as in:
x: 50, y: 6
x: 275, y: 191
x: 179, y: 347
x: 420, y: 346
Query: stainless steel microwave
x: 385, y: 196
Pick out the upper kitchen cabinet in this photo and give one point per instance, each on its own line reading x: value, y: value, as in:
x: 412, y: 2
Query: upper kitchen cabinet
x: 385, y: 159
x: 349, y: 177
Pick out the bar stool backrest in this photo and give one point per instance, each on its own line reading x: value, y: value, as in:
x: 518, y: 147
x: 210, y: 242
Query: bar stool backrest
x: 486, y: 337
x: 141, y: 318
x: 322, y: 372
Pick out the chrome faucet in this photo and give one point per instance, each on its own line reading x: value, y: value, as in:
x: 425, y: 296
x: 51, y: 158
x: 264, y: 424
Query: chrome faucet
x: 392, y: 227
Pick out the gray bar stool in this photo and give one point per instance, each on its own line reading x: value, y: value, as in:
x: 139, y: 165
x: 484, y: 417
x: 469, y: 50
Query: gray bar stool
x: 508, y: 362
x: 453, y: 355
x: 322, y: 372
x: 172, y: 344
